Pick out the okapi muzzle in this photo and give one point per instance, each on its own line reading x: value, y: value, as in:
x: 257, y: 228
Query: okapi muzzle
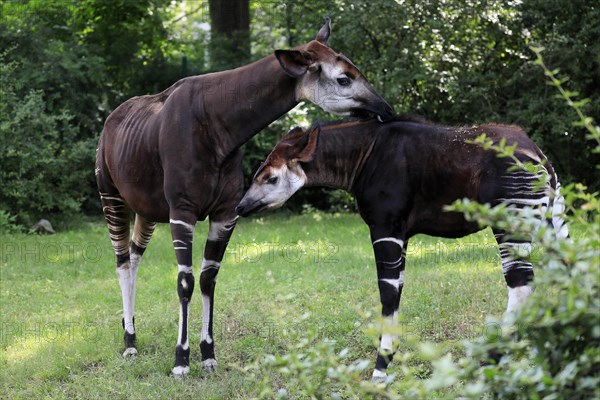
x: 331, y: 81
x: 281, y: 175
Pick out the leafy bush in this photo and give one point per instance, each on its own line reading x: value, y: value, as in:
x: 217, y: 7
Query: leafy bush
x: 42, y: 164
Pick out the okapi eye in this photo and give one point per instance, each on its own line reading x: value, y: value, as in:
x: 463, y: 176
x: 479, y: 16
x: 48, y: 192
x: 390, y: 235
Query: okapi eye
x: 272, y: 180
x: 344, y: 81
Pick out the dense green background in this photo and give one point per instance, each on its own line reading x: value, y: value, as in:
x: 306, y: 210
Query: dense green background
x: 66, y: 65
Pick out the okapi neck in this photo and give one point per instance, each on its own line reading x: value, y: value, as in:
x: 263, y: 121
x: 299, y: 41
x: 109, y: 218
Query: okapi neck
x: 339, y: 158
x: 261, y: 93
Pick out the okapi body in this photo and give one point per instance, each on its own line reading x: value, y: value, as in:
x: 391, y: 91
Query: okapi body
x: 402, y: 174
x: 175, y: 157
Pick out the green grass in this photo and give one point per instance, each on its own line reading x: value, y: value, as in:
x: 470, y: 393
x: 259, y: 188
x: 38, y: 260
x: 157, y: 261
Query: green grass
x: 283, y: 278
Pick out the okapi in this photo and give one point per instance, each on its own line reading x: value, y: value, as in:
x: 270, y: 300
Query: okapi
x: 402, y: 174
x: 175, y: 157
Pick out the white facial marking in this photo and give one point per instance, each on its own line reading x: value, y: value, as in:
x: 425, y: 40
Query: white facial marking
x: 274, y: 195
x: 324, y: 89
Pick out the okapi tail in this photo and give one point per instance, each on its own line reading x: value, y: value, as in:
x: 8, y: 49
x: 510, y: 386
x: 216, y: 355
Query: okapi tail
x: 557, y: 205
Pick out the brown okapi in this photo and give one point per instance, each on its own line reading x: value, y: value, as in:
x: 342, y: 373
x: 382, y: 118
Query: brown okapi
x: 402, y: 174
x: 175, y: 157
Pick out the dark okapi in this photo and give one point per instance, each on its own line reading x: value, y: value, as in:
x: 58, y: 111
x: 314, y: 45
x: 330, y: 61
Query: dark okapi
x: 402, y: 174
x: 175, y: 157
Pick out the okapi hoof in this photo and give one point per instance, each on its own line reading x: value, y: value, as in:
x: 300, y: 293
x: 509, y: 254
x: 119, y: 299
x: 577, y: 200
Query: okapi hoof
x: 493, y: 358
x: 129, y: 339
x: 209, y: 365
x: 130, y: 352
x: 180, y: 371
x: 379, y: 376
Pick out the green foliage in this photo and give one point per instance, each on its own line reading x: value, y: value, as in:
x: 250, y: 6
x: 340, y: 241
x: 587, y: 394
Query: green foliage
x: 8, y: 223
x: 66, y: 66
x: 558, y: 352
x: 455, y: 62
x: 43, y: 162
x: 316, y: 371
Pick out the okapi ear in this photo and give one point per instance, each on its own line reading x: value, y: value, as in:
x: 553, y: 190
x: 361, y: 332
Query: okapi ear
x: 294, y: 62
x: 324, y: 32
x: 309, y: 149
x: 294, y: 134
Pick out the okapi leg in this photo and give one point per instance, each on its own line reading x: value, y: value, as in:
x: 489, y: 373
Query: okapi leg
x: 518, y: 273
x: 216, y: 243
x: 523, y: 197
x: 517, y: 269
x: 182, y: 231
x: 117, y: 216
x: 390, y: 254
x: 142, y: 232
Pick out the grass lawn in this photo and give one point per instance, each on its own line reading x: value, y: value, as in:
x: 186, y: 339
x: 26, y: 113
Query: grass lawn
x: 283, y: 278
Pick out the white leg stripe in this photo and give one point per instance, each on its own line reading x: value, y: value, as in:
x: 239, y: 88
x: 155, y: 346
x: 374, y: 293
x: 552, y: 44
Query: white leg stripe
x: 379, y: 375
x: 189, y: 227
x: 217, y: 228
x: 205, y: 317
x: 185, y: 345
x: 396, y: 283
x: 209, y: 264
x: 188, y: 269
x: 386, y: 342
x: 180, y: 371
x: 516, y: 297
x: 388, y: 339
x: 127, y: 284
x: 390, y: 239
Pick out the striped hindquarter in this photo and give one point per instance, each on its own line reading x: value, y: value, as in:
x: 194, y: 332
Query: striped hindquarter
x: 128, y: 254
x: 526, y: 195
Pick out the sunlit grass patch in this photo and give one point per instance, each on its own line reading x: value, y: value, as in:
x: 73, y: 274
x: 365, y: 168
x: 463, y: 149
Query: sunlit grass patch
x: 284, y: 279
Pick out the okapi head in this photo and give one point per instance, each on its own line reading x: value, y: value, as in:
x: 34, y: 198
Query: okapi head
x: 330, y: 80
x: 281, y: 175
